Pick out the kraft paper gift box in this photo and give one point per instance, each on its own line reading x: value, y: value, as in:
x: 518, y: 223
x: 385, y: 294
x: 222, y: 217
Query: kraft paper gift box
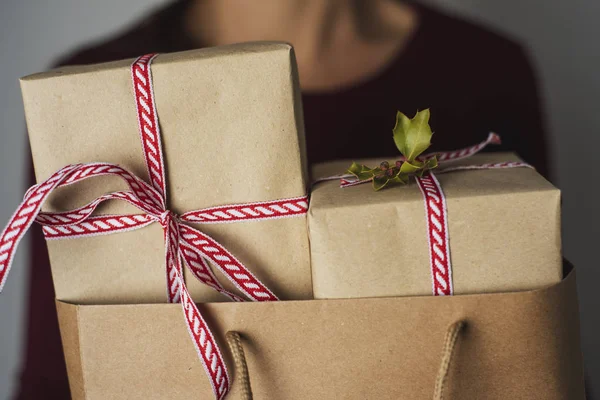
x: 231, y: 122
x: 519, y: 345
x: 504, y: 232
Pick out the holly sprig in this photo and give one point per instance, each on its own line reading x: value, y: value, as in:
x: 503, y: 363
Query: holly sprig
x: 412, y: 137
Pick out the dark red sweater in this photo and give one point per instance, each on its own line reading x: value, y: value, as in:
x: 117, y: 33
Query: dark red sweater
x: 473, y: 80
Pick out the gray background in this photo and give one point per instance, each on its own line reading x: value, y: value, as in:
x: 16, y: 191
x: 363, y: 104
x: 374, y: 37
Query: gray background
x: 562, y: 37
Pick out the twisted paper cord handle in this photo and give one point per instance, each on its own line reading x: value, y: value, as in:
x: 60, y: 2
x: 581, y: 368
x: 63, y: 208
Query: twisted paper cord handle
x: 448, y: 351
x: 241, y: 367
x: 234, y: 341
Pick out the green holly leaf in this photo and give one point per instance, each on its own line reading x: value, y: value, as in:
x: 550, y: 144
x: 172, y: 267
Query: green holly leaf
x: 403, y: 179
x: 408, y: 168
x: 412, y: 136
x: 431, y: 163
x: 379, y: 182
x: 362, y: 172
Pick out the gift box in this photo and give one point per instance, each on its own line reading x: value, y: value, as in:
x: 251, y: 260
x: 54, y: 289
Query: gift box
x: 503, y: 232
x: 520, y: 345
x: 232, y: 133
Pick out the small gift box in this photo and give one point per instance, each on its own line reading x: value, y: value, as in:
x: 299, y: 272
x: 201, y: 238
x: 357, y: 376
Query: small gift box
x: 478, y: 223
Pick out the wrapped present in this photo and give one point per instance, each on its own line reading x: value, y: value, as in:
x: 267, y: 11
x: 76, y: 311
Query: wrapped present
x: 232, y: 133
x: 218, y: 181
x: 477, y: 223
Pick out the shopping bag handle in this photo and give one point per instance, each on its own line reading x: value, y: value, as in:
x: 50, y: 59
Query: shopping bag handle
x: 448, y: 351
x: 234, y: 341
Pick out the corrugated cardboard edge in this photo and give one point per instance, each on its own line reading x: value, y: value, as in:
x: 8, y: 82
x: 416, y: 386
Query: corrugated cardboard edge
x: 68, y: 319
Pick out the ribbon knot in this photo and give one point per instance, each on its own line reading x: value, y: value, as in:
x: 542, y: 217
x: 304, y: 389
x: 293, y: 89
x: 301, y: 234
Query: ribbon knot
x: 166, y: 218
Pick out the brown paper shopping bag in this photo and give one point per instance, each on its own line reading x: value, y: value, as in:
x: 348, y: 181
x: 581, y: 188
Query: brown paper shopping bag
x: 522, y: 345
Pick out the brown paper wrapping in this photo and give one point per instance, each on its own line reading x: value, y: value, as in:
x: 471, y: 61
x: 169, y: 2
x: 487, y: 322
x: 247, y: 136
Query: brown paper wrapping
x: 504, y: 228
x: 522, y: 345
x: 232, y: 132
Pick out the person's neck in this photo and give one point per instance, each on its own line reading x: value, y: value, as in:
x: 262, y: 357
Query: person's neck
x: 319, y: 30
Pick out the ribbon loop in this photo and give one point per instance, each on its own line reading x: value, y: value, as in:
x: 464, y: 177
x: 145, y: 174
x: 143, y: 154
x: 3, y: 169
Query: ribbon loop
x: 24, y: 216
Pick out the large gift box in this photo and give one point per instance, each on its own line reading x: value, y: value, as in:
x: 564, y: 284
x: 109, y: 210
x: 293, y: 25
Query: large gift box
x: 503, y: 232
x: 232, y: 133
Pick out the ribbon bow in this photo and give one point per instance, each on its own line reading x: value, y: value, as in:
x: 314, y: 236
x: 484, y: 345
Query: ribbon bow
x: 182, y: 242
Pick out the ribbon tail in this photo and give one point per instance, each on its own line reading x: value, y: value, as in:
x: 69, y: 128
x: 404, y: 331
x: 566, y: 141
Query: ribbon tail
x: 445, y: 156
x: 334, y: 178
x: 204, y: 342
x: 347, y: 182
x: 173, y: 262
x: 233, y: 269
x: 200, y: 268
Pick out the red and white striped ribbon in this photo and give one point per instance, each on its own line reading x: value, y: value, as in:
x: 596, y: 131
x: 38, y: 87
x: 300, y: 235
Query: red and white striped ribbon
x: 446, y: 156
x: 436, y: 211
x: 184, y: 245
x: 436, y: 215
